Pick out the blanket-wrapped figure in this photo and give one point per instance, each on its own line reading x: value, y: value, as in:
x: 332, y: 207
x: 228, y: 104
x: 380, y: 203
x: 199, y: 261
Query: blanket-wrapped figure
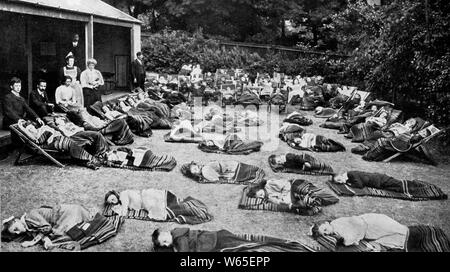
x: 233, y: 172
x: 230, y: 144
x: 189, y: 240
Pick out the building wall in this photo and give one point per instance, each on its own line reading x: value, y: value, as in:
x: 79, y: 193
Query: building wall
x: 50, y: 39
x: 112, y: 45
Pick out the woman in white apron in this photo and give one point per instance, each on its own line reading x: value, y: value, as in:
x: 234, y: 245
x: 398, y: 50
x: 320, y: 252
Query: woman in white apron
x: 74, y: 72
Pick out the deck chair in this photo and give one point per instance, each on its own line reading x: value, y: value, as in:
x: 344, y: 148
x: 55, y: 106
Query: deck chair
x: 223, y: 91
x: 35, y: 148
x: 432, y: 132
x: 286, y: 101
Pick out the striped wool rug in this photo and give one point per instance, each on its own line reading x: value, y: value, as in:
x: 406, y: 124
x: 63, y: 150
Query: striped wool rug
x: 427, y: 192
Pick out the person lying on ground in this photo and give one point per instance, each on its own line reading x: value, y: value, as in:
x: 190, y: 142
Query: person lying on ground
x: 229, y: 144
x: 379, y: 228
x: 360, y: 179
x: 223, y: 171
x: 189, y: 240
x: 44, y: 224
x: 292, y: 161
x: 295, y: 194
x: 150, y: 200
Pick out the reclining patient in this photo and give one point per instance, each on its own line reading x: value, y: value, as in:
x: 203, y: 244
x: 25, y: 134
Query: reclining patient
x: 230, y: 144
x: 297, y: 195
x: 386, y: 147
x: 381, y: 232
x: 363, y: 131
x: 410, y: 126
x: 298, y: 118
x: 297, y: 137
x: 184, y: 132
x: 151, y: 200
x: 223, y: 172
x: 189, y: 240
x: 216, y: 121
x: 248, y: 118
x: 44, y: 224
x: 83, y: 146
x: 412, y: 188
x: 299, y: 163
x: 117, y: 129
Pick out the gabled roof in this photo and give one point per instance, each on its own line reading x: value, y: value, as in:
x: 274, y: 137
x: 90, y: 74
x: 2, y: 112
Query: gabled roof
x: 89, y: 7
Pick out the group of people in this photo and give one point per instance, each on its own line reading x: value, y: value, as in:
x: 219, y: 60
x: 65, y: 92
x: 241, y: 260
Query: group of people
x: 161, y: 101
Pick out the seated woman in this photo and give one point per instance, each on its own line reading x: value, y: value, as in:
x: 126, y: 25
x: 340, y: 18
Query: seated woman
x: 299, y: 163
x: 223, y: 172
x: 118, y: 130
x: 189, y: 240
x: 153, y: 201
x: 298, y: 118
x: 411, y: 188
x: 297, y: 195
x: 231, y: 144
x: 44, y: 224
x: 65, y: 96
x: 378, y: 228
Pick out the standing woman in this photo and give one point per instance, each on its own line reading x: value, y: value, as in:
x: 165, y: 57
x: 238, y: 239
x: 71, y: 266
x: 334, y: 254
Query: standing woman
x: 74, y: 72
x: 91, y: 79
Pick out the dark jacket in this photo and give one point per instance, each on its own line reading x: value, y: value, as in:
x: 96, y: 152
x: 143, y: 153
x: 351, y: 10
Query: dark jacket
x: 39, y: 103
x: 360, y: 179
x: 137, y: 71
x: 15, y: 108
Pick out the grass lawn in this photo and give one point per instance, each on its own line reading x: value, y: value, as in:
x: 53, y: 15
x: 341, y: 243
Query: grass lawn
x: 27, y: 187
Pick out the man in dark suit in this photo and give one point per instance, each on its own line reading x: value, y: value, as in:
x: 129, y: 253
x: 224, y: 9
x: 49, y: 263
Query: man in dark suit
x: 15, y: 107
x: 39, y: 101
x: 138, y: 71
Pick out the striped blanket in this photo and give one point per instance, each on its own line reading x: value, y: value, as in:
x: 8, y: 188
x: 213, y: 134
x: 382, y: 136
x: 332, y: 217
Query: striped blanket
x: 312, y: 197
x: 364, y: 131
x: 187, y: 211
x: 318, y: 167
x: 421, y: 238
x: 139, y: 159
x: 262, y: 243
x: 412, y: 190
x: 109, y: 228
x: 119, y: 131
x: 245, y: 174
x: 232, y: 145
x: 317, y: 143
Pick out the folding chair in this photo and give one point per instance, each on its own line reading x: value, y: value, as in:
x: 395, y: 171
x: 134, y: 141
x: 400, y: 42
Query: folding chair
x: 419, y: 146
x: 286, y: 101
x: 35, y: 148
x: 223, y: 88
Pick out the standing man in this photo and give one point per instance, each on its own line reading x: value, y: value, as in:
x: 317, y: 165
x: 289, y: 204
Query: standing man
x: 74, y: 50
x: 138, y: 71
x: 15, y: 107
x: 39, y: 101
